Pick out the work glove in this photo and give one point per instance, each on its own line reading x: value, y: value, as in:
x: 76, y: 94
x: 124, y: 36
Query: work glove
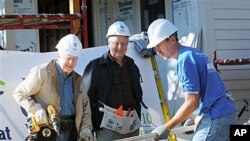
x: 189, y: 122
x: 41, y: 117
x: 86, y: 135
x: 162, y: 132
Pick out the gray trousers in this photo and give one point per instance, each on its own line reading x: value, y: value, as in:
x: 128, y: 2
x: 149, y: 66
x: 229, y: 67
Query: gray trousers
x: 108, y: 135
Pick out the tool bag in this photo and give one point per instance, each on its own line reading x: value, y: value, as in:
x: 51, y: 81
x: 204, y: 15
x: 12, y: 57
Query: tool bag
x: 121, y: 124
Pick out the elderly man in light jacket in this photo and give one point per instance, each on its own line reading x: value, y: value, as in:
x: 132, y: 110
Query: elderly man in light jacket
x: 56, y: 83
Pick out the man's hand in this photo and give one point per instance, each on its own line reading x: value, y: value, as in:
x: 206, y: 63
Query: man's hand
x: 162, y: 132
x: 41, y: 117
x: 86, y: 135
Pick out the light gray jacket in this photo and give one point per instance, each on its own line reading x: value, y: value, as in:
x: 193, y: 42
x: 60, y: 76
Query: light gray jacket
x: 41, y: 88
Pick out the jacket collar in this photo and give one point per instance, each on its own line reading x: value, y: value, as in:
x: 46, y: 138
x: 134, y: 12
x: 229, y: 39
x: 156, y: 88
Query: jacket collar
x: 51, y: 67
x: 105, y: 58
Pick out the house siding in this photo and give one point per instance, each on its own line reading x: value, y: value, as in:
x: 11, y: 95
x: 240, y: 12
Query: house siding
x: 226, y: 29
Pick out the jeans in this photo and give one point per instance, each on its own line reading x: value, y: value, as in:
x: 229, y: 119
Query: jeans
x: 215, y: 129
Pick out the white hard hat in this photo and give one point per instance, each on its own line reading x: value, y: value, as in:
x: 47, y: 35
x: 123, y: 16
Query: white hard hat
x: 71, y: 44
x: 160, y: 30
x: 118, y: 28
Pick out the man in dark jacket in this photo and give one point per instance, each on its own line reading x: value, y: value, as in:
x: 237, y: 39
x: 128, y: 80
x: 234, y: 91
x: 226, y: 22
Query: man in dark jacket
x: 114, y: 85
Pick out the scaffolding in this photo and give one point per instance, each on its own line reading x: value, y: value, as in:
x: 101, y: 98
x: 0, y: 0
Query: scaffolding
x: 49, y: 21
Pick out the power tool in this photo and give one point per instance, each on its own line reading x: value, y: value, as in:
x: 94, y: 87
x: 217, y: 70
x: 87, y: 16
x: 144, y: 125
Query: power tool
x: 53, y: 118
x: 32, y: 124
x: 54, y: 121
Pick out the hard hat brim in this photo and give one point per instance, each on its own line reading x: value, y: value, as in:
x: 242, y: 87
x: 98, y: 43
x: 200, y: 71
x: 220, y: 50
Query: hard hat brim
x: 150, y: 45
x: 75, y: 53
x: 78, y: 53
x: 125, y: 35
x: 156, y: 42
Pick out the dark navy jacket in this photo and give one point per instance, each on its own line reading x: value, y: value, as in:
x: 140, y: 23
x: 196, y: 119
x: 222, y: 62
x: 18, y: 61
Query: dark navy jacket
x: 100, y: 86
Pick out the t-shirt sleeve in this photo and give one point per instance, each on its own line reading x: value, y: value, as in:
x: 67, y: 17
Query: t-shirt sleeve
x: 188, y: 75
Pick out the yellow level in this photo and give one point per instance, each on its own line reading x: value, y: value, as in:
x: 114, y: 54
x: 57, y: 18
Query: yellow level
x: 164, y: 104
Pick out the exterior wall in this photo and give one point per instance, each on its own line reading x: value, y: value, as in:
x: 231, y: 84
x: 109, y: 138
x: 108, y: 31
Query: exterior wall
x: 21, y: 40
x: 108, y: 11
x: 225, y: 28
x: 2, y: 32
x: 185, y: 17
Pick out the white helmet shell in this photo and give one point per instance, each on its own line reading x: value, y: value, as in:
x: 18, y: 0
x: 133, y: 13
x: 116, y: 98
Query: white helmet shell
x: 118, y: 28
x: 160, y: 30
x: 70, y: 44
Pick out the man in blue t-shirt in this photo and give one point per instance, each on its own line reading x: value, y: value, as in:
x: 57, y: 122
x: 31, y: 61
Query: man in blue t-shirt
x: 205, y: 94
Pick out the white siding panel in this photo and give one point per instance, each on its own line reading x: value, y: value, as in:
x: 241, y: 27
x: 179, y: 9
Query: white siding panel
x: 231, y: 24
x: 235, y: 74
x: 244, y: 93
x: 232, y: 4
x: 237, y: 52
x: 232, y: 44
x: 226, y: 29
x: 242, y: 14
x: 238, y: 85
x: 236, y: 70
x: 232, y: 34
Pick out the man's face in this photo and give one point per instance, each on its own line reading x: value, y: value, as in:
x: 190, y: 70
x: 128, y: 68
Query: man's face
x: 165, y: 49
x: 118, y: 46
x: 67, y: 62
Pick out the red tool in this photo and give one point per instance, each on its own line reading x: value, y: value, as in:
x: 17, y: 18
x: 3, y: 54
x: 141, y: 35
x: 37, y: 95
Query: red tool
x: 119, y: 111
x: 128, y: 112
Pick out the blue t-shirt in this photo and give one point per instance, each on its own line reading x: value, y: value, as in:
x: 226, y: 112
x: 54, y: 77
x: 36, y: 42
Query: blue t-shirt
x: 198, y: 75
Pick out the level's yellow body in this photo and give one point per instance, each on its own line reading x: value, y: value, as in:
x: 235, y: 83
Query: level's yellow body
x: 163, y: 101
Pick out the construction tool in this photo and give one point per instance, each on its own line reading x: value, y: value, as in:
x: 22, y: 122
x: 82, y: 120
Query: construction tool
x: 53, y: 118
x: 164, y: 104
x: 119, y: 111
x: 153, y: 135
x: 54, y: 121
x: 32, y: 124
x: 128, y: 112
